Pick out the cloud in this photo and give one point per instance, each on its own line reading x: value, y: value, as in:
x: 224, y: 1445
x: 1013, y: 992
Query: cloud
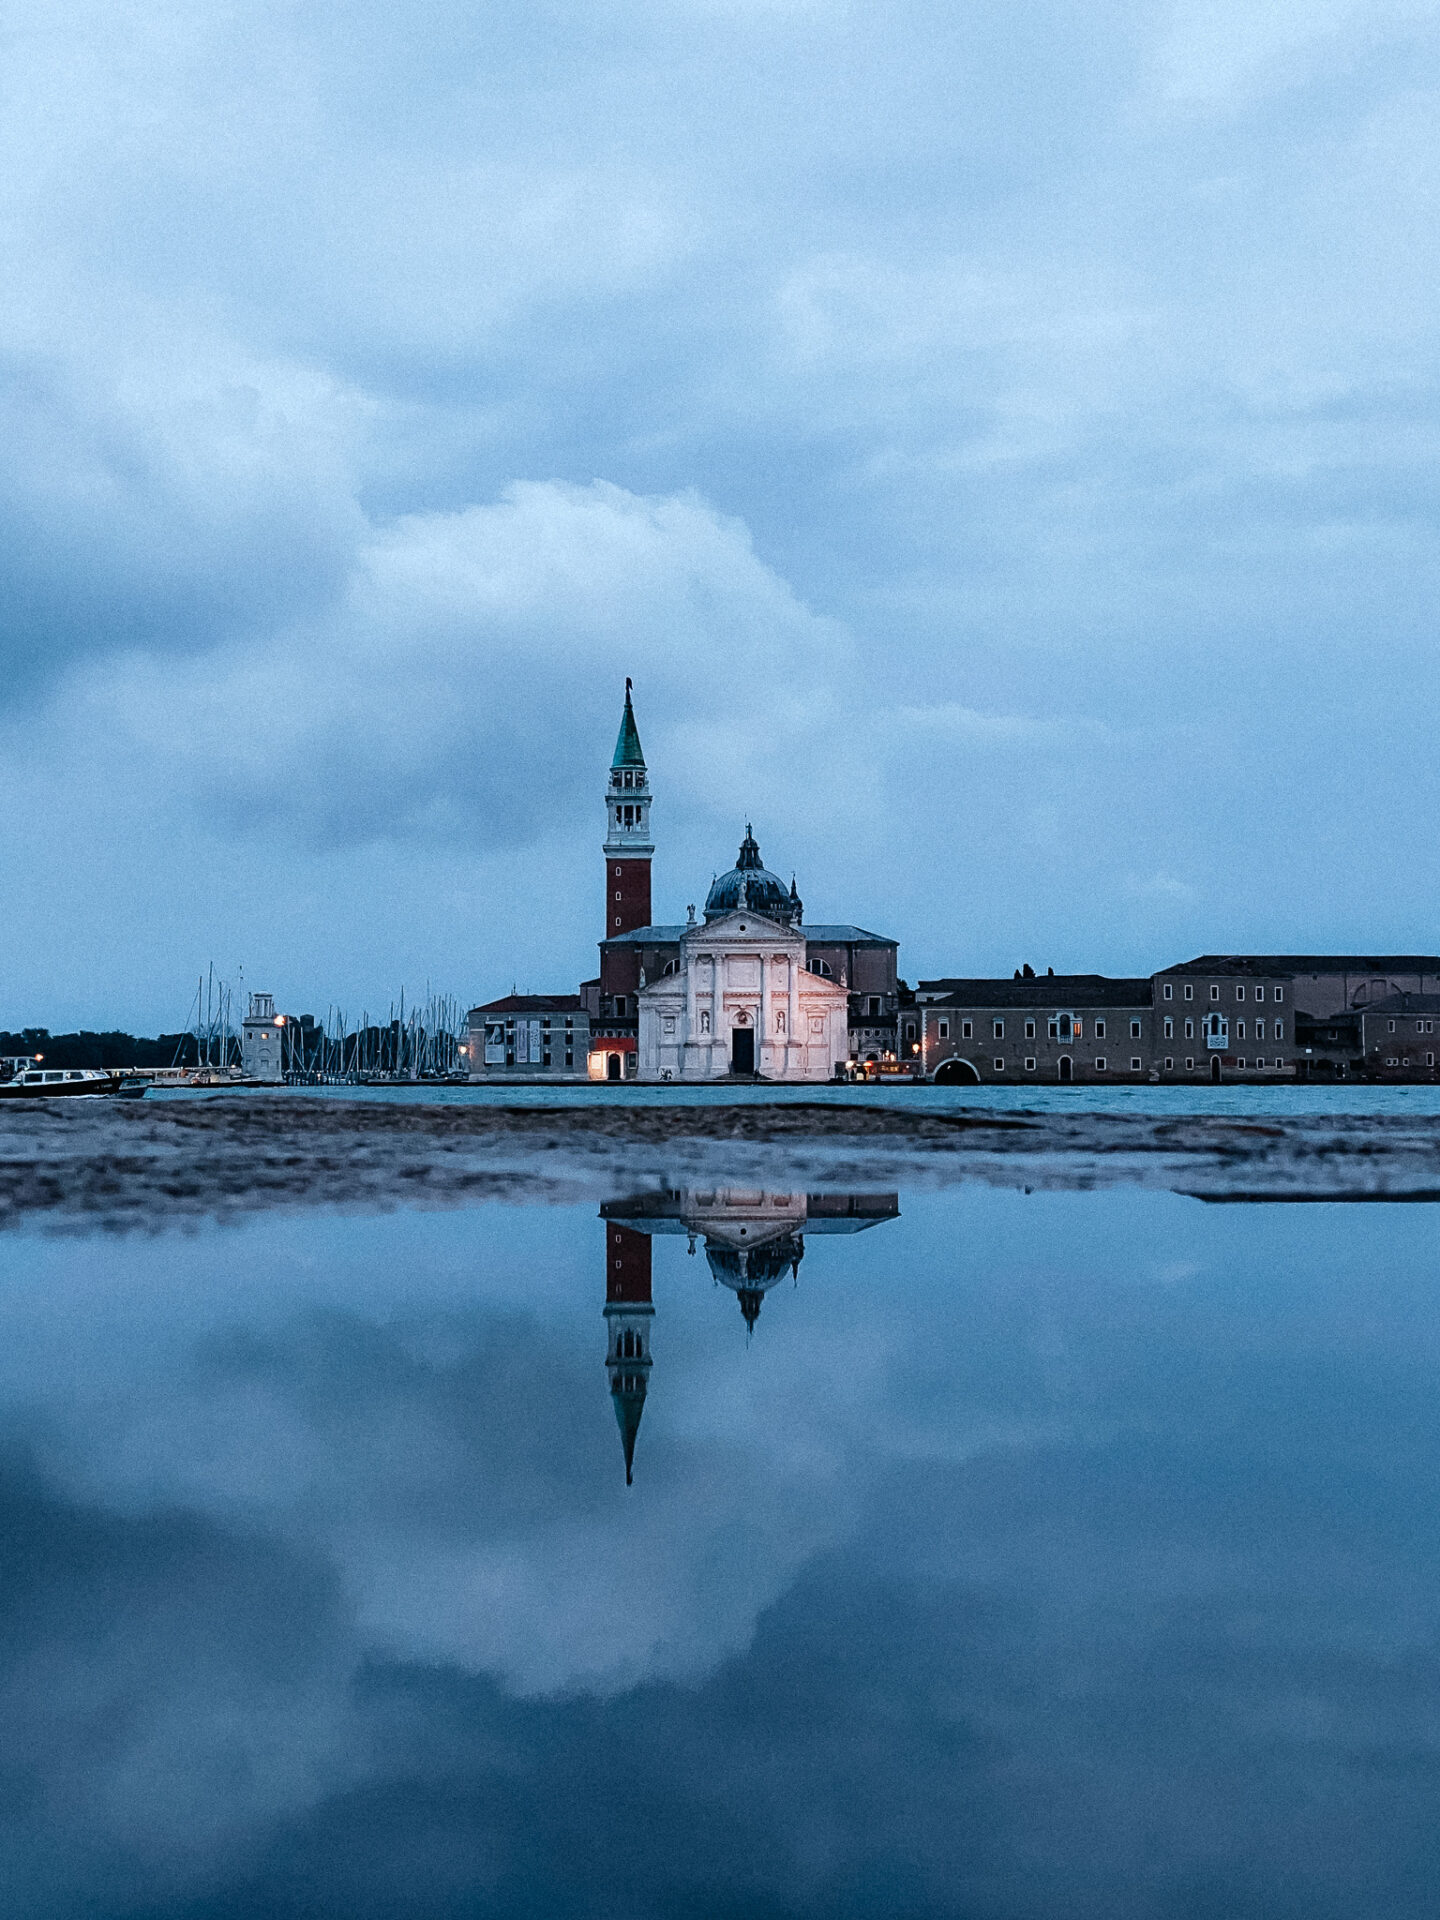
x: 1072, y: 365
x: 448, y: 696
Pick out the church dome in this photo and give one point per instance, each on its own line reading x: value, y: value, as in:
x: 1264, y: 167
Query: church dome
x: 748, y: 884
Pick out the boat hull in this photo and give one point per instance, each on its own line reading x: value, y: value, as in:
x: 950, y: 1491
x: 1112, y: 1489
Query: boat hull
x: 59, y: 1089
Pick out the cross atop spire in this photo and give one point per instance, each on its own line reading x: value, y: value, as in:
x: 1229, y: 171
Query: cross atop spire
x: 628, y: 751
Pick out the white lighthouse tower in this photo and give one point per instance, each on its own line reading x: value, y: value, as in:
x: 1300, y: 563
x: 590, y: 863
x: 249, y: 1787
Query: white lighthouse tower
x: 262, y: 1044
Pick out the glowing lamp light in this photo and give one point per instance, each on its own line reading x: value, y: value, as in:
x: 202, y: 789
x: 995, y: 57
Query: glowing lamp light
x: 279, y: 1019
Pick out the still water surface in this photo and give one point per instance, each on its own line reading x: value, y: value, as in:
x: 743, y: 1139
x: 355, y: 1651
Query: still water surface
x: 987, y: 1554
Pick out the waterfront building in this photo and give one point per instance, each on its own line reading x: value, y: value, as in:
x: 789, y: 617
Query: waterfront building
x: 1059, y: 1027
x: 262, y: 1040
x: 529, y: 1036
x: 741, y: 993
x: 1296, y: 1014
x: 1396, y: 1037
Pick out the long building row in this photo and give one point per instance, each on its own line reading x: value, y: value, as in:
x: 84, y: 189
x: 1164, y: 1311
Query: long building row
x: 1222, y: 1016
x: 747, y: 987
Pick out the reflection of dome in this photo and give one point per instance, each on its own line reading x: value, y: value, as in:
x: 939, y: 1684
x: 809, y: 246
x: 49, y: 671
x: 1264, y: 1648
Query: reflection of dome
x: 750, y: 1272
x: 749, y: 885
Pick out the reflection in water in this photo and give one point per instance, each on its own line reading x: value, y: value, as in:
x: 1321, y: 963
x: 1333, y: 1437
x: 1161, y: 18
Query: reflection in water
x: 1063, y: 1555
x: 753, y: 1238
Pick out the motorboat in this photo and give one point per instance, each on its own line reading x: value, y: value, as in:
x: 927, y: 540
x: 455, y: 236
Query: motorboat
x: 46, y: 1083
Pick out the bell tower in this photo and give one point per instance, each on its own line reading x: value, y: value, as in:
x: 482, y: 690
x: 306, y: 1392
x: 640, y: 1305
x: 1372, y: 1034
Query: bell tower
x: 628, y: 847
x: 628, y: 1313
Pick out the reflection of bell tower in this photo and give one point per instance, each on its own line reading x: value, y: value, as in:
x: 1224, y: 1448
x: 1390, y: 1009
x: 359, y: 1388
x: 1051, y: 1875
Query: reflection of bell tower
x: 628, y: 1313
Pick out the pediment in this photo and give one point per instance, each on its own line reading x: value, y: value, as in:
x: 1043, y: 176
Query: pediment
x: 744, y: 924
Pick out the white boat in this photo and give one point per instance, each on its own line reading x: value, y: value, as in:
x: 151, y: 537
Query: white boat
x: 45, y: 1083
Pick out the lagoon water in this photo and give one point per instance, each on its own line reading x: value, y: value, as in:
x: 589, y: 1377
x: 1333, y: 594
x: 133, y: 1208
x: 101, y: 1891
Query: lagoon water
x: 1030, y: 1555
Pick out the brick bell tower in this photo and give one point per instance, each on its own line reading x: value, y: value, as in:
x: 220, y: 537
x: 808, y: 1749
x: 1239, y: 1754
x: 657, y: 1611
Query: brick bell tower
x: 628, y: 850
x: 628, y: 847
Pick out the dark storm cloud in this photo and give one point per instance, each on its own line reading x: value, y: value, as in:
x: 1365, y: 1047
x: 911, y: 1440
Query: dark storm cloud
x: 1066, y: 367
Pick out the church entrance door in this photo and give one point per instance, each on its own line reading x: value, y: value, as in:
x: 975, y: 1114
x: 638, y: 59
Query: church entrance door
x: 612, y: 1066
x: 742, y: 1050
x: 1067, y: 1072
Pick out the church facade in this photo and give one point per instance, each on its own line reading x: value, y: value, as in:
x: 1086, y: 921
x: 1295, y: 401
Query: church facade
x: 748, y: 989
x: 741, y: 997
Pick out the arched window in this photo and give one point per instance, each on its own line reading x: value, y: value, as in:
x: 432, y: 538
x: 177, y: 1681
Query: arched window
x: 822, y: 967
x: 671, y: 966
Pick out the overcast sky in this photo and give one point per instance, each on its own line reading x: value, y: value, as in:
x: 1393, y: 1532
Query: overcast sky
x: 1000, y: 440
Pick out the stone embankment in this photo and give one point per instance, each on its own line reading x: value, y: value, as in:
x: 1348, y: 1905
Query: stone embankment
x: 101, y: 1162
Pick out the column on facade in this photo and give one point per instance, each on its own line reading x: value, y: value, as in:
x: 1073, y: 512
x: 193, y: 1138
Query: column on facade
x: 767, y: 1039
x: 716, y: 1010
x: 793, y: 1020
x: 691, y: 1022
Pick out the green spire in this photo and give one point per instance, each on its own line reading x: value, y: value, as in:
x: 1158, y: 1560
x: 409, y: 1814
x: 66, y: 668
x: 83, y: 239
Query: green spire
x: 627, y: 748
x: 628, y: 1409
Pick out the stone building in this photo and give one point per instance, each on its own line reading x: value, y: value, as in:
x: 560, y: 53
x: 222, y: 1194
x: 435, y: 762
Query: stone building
x: 529, y: 1036
x: 1262, y: 1014
x: 1045, y: 1027
x: 1397, y: 1037
x: 742, y: 993
x: 262, y: 1040
x: 637, y: 957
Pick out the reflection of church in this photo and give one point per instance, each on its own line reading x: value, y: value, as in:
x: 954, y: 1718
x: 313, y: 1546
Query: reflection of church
x: 753, y: 1239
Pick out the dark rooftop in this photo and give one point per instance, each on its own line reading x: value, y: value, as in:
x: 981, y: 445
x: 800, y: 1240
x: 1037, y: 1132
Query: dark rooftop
x: 1402, y: 1003
x: 532, y: 1003
x: 1263, y: 965
x: 818, y: 936
x: 1043, y: 990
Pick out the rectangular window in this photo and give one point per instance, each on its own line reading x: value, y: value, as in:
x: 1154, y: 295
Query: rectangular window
x: 1189, y: 992
x: 1239, y: 993
x: 1169, y: 1029
x: 1100, y: 1063
x: 1279, y: 993
x: 1429, y: 1059
x: 569, y: 1059
x: 872, y: 1005
x: 544, y: 1059
x: 1189, y: 1064
x: 1240, y: 1029
x: 1169, y: 1064
x: 1029, y: 1029
x: 1169, y: 991
x: 1279, y: 1030
x: 1135, y: 1063
x: 999, y: 1029
x: 1259, y: 993
x: 1389, y: 1026
x: 1134, y: 1029
x: 1189, y: 1029
x: 1099, y: 1029
x: 944, y: 1029
x: 1214, y: 993
x: 1240, y: 1061
x: 1030, y: 1065
x: 999, y: 1066
x: 967, y: 1029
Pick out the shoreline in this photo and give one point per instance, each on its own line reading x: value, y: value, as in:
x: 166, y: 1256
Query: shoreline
x: 119, y: 1166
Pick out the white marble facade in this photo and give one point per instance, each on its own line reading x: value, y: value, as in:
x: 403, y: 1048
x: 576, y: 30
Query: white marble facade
x: 742, y: 999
